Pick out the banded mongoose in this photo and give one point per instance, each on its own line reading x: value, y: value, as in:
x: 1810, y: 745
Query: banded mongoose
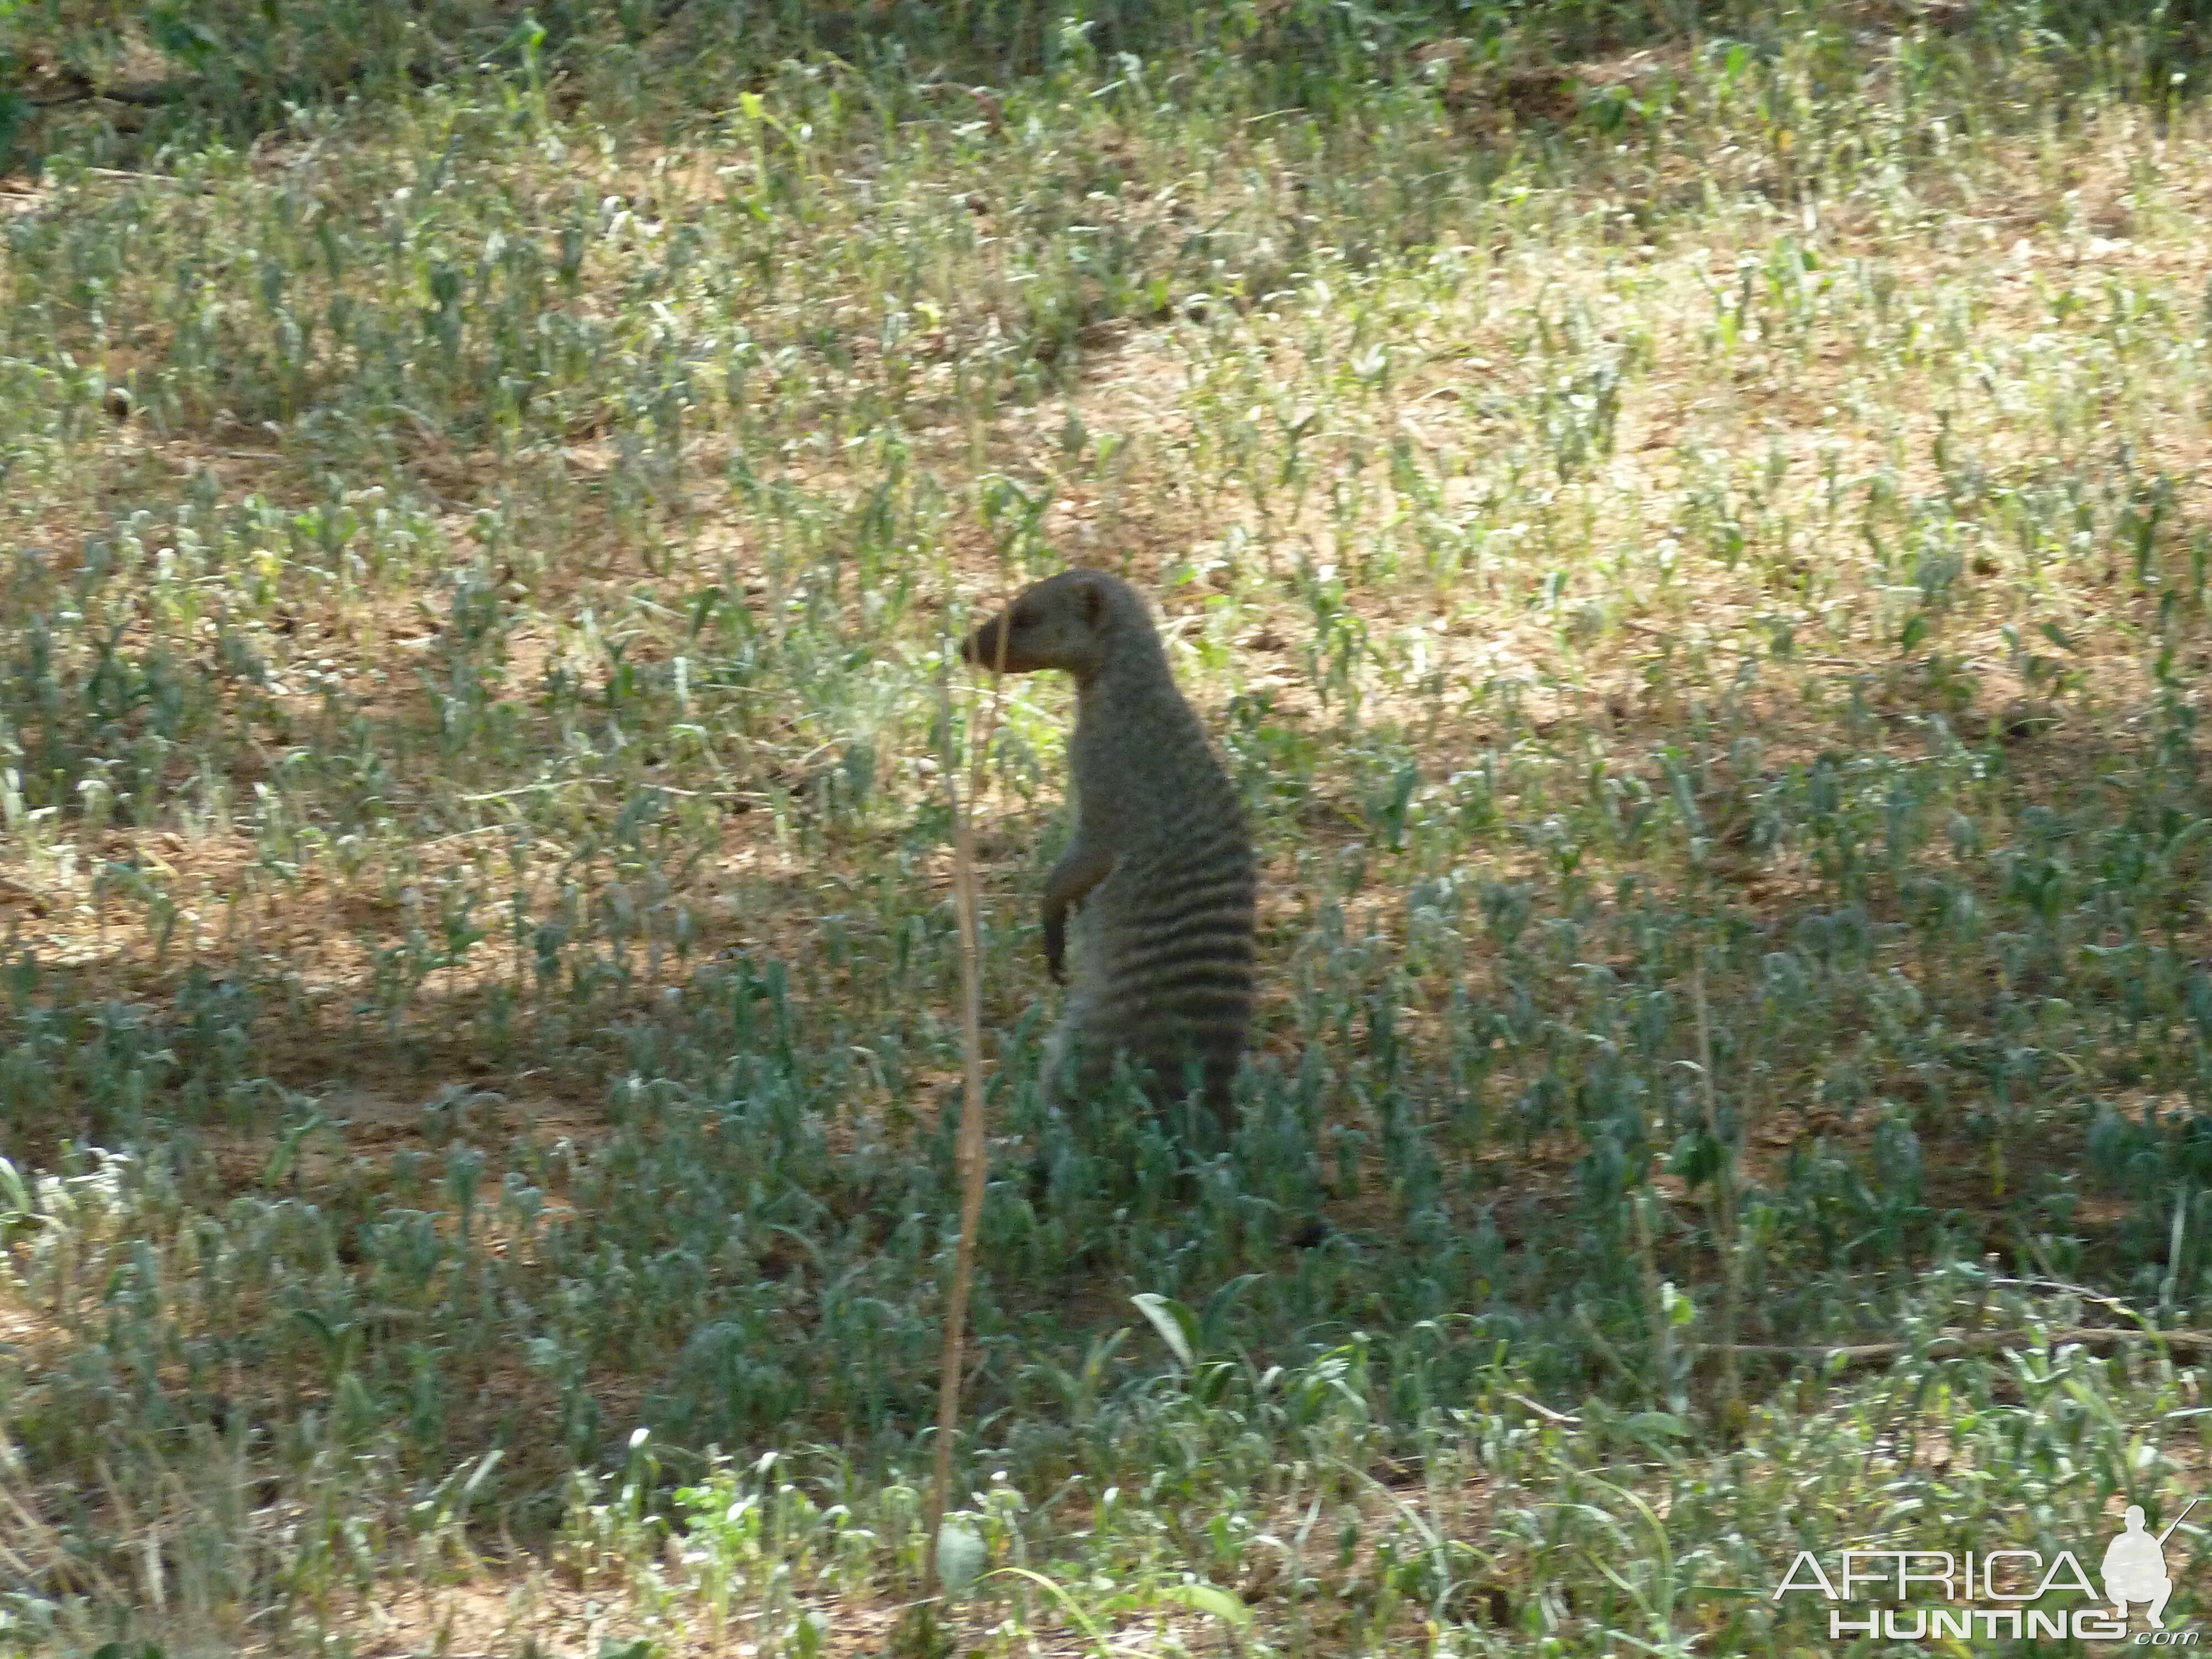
x: 1161, y: 862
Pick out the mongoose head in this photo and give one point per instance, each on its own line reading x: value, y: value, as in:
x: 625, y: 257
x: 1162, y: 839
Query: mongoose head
x: 1071, y: 621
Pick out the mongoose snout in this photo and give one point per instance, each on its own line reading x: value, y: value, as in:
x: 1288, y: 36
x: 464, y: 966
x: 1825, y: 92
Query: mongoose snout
x: 1161, y: 864
x: 1061, y: 622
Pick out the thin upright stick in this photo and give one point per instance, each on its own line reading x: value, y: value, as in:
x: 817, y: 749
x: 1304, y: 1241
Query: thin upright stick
x: 971, y: 1173
x: 971, y: 1154
x: 1724, y: 1218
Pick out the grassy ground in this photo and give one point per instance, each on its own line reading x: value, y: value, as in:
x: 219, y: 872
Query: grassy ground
x: 1691, y: 531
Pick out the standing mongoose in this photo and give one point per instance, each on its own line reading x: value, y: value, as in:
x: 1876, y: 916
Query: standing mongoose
x: 1161, y: 862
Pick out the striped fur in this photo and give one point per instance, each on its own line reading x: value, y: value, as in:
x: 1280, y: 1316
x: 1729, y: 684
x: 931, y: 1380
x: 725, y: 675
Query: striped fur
x: 1161, y: 863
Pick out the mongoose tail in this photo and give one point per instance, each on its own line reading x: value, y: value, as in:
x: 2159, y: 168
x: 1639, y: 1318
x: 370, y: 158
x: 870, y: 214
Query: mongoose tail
x: 1161, y: 861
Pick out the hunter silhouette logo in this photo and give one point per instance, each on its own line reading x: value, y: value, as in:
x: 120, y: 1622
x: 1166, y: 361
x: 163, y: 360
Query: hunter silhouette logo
x: 2134, y: 1567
